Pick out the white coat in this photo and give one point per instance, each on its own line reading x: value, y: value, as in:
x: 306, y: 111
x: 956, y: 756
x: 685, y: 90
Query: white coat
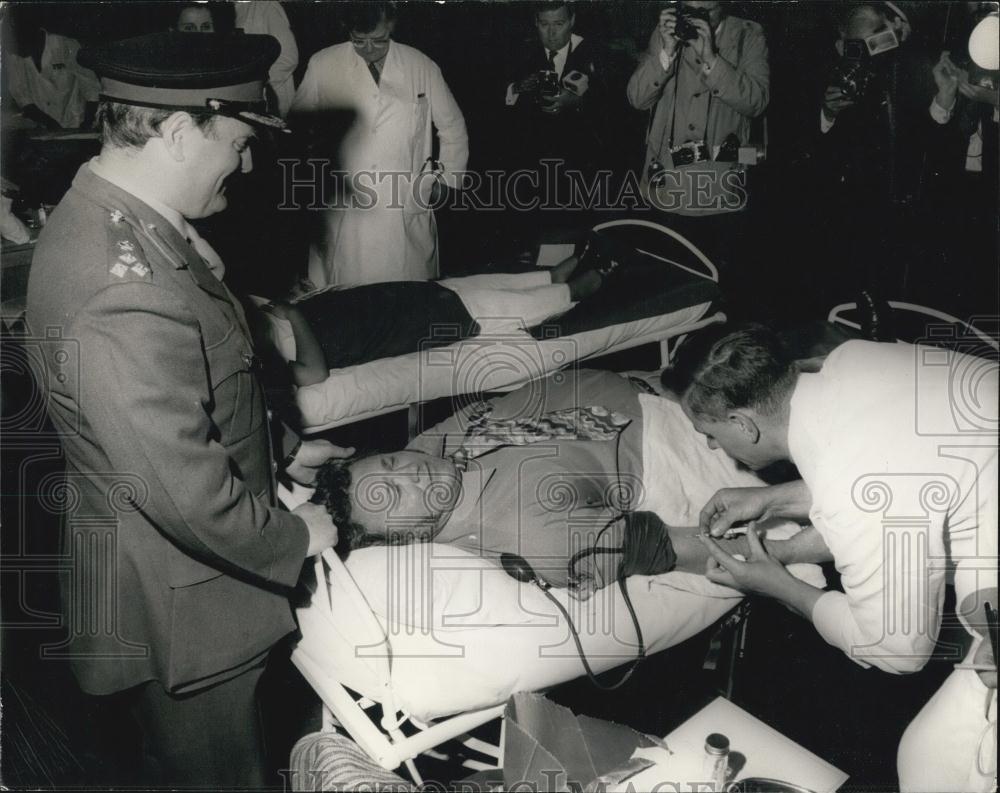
x: 396, y: 239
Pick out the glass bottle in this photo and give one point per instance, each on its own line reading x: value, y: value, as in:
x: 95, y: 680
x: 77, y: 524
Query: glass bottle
x: 715, y: 768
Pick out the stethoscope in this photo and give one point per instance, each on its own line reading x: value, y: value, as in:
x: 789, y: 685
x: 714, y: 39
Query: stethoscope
x: 518, y: 568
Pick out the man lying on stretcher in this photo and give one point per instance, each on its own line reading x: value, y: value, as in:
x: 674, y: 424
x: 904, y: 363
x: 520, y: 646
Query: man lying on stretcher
x: 566, y: 501
x: 334, y: 328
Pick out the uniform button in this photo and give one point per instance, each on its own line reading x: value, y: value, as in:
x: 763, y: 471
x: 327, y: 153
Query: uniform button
x: 274, y: 467
x: 716, y: 92
x: 690, y: 126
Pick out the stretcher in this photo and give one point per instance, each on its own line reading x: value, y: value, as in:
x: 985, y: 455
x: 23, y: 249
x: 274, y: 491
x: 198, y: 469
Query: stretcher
x: 482, y: 364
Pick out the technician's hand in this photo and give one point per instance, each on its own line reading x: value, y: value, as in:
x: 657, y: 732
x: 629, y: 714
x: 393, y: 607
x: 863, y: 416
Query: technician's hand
x: 322, y: 531
x: 704, y: 45
x: 760, y: 574
x: 733, y: 505
x: 666, y: 27
x: 978, y: 93
x: 563, y: 101
x: 834, y: 102
x: 310, y: 456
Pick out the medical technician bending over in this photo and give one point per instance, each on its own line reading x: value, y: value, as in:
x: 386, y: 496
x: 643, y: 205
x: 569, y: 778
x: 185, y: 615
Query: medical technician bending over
x: 880, y: 433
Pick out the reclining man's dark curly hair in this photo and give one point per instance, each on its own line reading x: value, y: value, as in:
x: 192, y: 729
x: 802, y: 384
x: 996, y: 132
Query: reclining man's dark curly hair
x: 333, y: 491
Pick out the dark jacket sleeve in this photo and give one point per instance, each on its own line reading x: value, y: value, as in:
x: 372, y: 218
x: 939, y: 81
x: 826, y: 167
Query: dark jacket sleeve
x: 146, y: 391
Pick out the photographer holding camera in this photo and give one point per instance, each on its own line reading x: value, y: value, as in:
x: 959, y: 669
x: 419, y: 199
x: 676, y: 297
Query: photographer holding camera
x: 871, y: 141
x: 557, y: 93
x: 705, y: 75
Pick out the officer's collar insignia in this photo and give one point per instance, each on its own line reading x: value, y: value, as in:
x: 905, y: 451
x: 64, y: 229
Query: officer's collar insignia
x: 127, y: 260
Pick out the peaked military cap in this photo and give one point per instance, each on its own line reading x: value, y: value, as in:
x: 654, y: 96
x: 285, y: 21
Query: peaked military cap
x: 219, y: 73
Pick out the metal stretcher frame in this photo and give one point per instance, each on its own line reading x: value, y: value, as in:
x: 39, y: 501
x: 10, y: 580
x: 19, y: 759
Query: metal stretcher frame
x: 841, y: 314
x: 385, y: 741
x: 358, y: 641
x: 667, y: 339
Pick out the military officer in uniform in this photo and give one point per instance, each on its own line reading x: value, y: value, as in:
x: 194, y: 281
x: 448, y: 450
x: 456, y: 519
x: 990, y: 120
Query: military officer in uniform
x: 181, y: 559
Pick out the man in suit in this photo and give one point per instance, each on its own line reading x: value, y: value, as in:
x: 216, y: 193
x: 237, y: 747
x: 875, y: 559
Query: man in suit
x: 559, y: 119
x: 872, y: 133
x: 182, y: 560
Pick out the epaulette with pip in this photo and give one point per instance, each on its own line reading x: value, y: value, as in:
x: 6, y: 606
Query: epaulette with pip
x: 126, y: 260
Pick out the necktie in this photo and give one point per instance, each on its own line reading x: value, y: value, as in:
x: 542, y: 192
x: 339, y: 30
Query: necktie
x: 552, y: 61
x: 206, y: 251
x: 484, y: 433
x: 376, y: 74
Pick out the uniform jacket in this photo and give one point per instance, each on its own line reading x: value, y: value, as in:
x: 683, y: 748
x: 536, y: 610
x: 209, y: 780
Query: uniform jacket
x: 396, y: 239
x: 700, y: 106
x: 180, y: 559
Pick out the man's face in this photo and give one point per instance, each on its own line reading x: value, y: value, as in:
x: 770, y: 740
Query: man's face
x: 195, y: 20
x: 374, y: 45
x: 728, y: 434
x: 408, y: 493
x: 212, y: 155
x: 554, y: 28
x: 713, y: 7
x: 863, y: 23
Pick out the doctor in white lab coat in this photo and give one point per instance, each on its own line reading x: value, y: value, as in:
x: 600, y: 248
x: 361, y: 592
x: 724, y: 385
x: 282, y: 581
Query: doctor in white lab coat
x: 397, y: 94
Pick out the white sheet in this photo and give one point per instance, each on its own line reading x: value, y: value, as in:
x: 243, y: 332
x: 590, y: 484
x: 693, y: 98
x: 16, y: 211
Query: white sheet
x: 450, y: 632
x: 464, y: 635
x: 482, y: 363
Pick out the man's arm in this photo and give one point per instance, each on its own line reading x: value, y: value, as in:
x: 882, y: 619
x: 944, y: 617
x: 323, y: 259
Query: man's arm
x: 309, y: 366
x: 808, y: 546
x: 281, y: 71
x: 732, y: 505
x: 760, y: 574
x: 450, y: 123
x: 146, y: 396
x: 655, y: 71
x: 888, y: 615
x: 744, y: 86
x: 307, y: 95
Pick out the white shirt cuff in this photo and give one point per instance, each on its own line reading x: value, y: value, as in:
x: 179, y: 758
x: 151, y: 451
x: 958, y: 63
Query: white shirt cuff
x: 666, y: 60
x: 942, y: 115
x: 825, y: 125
